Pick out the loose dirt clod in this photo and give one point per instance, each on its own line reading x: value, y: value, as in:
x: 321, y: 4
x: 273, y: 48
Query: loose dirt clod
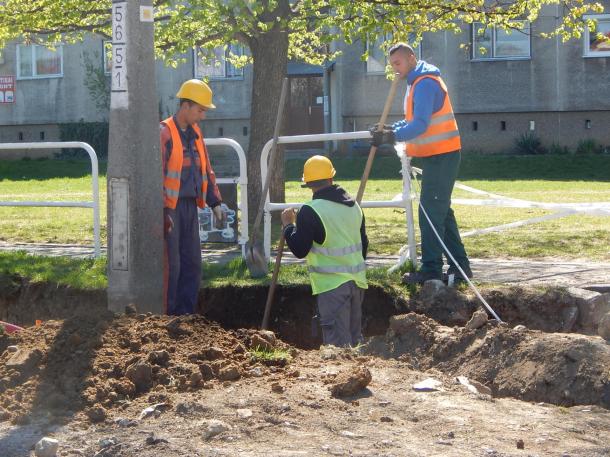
x: 478, y: 320
x: 117, y: 359
x: 564, y: 369
x: 350, y: 382
x: 46, y: 447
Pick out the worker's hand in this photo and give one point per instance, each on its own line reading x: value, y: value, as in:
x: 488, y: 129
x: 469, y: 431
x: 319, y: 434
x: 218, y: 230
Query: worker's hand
x: 220, y: 217
x: 374, y: 128
x: 289, y: 216
x: 168, y: 223
x: 386, y: 136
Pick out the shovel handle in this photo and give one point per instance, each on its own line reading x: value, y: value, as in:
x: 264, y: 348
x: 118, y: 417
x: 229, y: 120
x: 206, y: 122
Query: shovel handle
x: 373, y: 150
x: 276, y: 133
x: 276, y: 270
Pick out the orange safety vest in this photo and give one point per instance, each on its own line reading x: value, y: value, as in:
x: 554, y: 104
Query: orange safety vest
x: 442, y: 135
x: 173, y: 170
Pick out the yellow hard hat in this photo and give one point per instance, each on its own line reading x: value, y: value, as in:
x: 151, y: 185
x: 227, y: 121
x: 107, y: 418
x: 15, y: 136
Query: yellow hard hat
x: 317, y: 168
x: 197, y: 91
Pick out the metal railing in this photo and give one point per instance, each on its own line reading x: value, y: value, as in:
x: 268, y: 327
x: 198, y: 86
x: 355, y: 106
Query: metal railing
x: 242, y: 180
x: 94, y: 204
x: 400, y: 201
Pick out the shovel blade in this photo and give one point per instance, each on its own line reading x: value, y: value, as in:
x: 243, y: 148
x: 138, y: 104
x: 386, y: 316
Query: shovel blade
x: 256, y: 261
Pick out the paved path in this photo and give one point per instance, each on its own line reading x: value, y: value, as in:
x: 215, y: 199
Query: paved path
x: 595, y: 276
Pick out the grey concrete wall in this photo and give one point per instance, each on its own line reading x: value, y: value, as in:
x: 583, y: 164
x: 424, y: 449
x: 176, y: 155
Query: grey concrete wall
x: 560, y: 128
x: 29, y: 133
x: 51, y: 101
x: 56, y: 99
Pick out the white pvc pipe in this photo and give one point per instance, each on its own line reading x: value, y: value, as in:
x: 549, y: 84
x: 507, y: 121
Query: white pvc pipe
x: 95, y: 204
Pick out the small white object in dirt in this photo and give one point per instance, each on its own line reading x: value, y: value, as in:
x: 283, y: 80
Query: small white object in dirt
x: 257, y: 372
x: 474, y: 386
x: 12, y: 348
x: 463, y: 380
x: 244, y: 413
x: 520, y: 328
x: 46, y: 447
x: 478, y: 320
x: 348, y: 434
x: 107, y: 442
x: 603, y: 328
x: 428, y: 385
x: 215, y: 427
x: 154, y: 409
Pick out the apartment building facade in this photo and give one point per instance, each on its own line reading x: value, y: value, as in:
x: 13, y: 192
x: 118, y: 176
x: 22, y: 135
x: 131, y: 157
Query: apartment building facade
x: 502, y: 86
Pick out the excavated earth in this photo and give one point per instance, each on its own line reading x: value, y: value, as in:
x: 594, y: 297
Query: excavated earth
x: 134, y: 384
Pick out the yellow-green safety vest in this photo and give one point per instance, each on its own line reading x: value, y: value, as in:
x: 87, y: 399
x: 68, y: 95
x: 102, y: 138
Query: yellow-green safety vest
x: 339, y: 259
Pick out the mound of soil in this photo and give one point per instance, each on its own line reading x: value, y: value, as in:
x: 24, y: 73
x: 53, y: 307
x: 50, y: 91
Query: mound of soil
x: 564, y: 369
x: 91, y: 364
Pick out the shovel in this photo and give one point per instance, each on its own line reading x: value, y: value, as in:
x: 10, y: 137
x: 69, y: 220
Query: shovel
x: 255, y: 255
x: 276, y: 270
x: 373, y: 150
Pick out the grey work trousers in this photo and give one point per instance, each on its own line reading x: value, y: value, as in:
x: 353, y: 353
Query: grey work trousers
x: 340, y: 312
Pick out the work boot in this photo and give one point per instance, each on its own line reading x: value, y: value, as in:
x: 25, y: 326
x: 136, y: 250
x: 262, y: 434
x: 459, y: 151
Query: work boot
x: 420, y: 277
x: 457, y: 275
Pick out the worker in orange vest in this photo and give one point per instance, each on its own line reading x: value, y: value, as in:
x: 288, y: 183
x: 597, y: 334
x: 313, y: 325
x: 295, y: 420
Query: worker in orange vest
x: 431, y: 133
x: 188, y: 183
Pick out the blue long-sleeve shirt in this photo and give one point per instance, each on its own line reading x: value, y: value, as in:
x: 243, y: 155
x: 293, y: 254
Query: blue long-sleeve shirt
x: 428, y: 98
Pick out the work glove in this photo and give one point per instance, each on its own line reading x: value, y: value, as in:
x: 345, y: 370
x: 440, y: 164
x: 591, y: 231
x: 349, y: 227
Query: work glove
x: 374, y: 128
x: 386, y: 136
x: 168, y: 224
x: 220, y: 217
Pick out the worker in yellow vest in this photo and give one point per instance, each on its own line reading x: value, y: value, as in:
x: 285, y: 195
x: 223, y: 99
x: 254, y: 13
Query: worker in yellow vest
x: 188, y: 183
x: 431, y: 133
x: 329, y: 231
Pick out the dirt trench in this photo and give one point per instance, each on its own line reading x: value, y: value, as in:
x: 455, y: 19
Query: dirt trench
x: 548, y: 361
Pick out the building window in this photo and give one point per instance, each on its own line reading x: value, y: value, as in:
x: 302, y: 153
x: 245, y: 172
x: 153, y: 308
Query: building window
x: 107, y: 56
x: 36, y: 61
x: 214, y: 64
x: 378, y: 58
x: 597, y: 36
x: 489, y: 43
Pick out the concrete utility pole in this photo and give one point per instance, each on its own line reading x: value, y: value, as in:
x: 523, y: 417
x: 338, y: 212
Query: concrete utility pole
x: 135, y: 198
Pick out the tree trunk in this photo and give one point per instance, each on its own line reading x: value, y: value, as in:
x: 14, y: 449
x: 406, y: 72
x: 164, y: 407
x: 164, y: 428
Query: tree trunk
x: 270, y: 54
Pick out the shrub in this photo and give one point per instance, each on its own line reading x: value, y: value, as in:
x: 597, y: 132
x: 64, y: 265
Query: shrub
x: 589, y: 146
x: 93, y: 133
x: 529, y: 143
x: 558, y: 149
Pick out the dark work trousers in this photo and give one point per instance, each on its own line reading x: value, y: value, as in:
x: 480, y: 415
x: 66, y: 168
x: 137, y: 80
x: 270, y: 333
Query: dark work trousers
x: 183, y: 255
x: 341, y: 315
x: 439, y: 173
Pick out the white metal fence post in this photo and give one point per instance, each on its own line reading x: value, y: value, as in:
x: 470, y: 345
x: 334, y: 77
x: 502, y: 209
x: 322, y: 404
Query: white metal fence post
x: 95, y: 204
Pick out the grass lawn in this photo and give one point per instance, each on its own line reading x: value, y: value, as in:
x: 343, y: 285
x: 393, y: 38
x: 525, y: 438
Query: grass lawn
x: 91, y: 274
x: 549, y: 178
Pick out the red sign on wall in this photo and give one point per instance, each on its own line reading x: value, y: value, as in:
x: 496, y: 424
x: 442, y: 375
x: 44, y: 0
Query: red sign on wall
x: 7, y: 89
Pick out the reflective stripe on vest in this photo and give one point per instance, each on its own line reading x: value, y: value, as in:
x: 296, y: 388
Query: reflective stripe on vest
x: 173, y: 170
x: 355, y: 269
x: 339, y: 258
x: 442, y: 134
x: 337, y: 251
